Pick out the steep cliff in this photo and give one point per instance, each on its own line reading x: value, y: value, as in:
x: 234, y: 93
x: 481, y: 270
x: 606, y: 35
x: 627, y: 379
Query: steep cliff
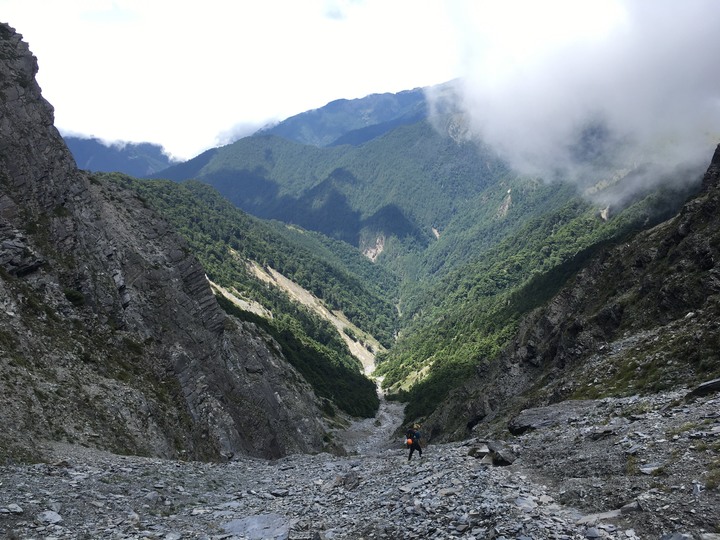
x: 641, y: 317
x: 109, y: 332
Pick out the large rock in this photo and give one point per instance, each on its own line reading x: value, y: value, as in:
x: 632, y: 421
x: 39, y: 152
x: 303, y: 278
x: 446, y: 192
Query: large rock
x: 260, y: 527
x: 542, y: 417
x: 708, y: 387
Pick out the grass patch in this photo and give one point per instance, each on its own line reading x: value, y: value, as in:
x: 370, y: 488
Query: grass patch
x: 677, y: 430
x: 133, y: 346
x: 8, y: 341
x: 632, y: 466
x: 61, y: 211
x: 713, y: 477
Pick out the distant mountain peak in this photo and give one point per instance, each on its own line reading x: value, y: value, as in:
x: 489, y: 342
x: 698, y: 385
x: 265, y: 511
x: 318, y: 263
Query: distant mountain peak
x: 352, y: 121
x: 136, y: 159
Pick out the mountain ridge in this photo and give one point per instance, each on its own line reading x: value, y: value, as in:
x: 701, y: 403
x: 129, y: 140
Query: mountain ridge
x: 135, y: 159
x: 110, y: 330
x: 352, y: 121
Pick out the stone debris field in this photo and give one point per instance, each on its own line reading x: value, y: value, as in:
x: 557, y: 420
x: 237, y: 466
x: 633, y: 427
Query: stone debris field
x: 560, y: 480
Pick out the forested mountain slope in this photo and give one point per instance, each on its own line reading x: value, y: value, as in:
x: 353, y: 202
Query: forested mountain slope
x: 395, y: 188
x: 459, y: 323
x: 229, y: 243
x: 639, y: 316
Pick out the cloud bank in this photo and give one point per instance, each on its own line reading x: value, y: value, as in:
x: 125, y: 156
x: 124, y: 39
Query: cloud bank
x: 557, y: 87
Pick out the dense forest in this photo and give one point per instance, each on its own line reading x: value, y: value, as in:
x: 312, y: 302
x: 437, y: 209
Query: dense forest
x: 462, y: 321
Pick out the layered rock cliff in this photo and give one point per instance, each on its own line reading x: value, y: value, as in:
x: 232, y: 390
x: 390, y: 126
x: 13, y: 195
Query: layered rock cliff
x: 641, y: 317
x: 109, y: 332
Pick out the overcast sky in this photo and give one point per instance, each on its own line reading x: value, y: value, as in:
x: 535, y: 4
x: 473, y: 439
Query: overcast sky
x: 188, y: 74
x: 193, y: 75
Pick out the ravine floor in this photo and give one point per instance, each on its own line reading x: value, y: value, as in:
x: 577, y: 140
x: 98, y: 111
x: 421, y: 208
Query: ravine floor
x: 375, y: 492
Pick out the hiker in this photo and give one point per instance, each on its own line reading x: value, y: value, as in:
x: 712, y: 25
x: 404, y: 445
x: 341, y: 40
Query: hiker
x: 413, y: 440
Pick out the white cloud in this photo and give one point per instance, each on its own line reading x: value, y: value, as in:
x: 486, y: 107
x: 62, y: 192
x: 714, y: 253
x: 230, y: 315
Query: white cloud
x: 537, y: 73
x: 190, y: 75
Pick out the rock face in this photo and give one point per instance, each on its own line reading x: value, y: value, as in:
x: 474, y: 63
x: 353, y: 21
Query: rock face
x: 642, y: 316
x: 542, y: 417
x: 109, y: 333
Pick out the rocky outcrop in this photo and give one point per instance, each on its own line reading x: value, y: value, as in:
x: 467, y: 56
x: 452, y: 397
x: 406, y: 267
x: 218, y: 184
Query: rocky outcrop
x: 550, y: 416
x: 649, y: 461
x: 110, y: 335
x: 16, y: 255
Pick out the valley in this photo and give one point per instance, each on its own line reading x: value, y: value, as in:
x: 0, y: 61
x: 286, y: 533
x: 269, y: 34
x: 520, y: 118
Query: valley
x: 230, y: 347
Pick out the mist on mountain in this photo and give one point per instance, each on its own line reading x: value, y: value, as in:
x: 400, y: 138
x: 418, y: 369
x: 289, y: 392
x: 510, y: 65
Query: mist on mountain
x: 640, y: 94
x: 136, y: 159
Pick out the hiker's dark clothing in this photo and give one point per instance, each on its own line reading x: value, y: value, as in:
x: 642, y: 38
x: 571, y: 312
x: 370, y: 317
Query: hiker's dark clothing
x: 414, y: 435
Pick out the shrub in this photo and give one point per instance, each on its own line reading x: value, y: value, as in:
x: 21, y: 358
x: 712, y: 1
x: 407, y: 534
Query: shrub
x: 76, y: 298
